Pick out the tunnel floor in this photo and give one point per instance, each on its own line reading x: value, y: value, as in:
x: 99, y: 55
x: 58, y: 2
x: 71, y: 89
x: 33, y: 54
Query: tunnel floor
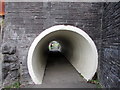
x: 60, y: 73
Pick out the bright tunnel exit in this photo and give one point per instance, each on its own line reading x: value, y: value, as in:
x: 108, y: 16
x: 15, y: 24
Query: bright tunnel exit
x: 72, y: 42
x: 54, y: 46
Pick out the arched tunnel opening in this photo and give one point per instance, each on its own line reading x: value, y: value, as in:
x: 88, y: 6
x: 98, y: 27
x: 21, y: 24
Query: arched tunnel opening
x: 71, y: 42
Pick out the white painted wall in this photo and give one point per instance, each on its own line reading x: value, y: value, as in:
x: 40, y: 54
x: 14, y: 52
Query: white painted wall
x: 77, y: 46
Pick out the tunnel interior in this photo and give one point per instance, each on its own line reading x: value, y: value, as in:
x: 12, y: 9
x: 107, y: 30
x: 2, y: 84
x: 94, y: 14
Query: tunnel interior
x: 75, y: 45
x: 60, y: 71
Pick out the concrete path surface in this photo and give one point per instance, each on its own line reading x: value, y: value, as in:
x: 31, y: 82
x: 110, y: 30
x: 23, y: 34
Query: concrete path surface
x: 60, y: 73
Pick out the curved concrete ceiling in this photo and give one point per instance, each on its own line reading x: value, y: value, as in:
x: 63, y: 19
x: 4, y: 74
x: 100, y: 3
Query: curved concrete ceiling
x: 76, y: 45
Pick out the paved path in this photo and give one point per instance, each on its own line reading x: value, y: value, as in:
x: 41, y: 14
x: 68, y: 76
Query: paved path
x: 60, y: 73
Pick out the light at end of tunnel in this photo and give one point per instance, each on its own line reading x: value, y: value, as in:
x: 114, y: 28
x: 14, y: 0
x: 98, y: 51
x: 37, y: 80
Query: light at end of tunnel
x: 54, y: 46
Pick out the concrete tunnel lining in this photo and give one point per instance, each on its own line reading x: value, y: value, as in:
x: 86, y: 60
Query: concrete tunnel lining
x: 77, y: 47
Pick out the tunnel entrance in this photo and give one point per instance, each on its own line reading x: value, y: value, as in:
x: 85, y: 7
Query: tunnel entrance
x: 76, y: 46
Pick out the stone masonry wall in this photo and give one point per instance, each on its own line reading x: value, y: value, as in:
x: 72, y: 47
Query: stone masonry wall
x: 110, y: 55
x: 24, y: 21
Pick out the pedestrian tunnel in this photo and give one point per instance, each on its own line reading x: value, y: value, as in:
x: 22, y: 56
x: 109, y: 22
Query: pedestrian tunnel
x: 74, y: 44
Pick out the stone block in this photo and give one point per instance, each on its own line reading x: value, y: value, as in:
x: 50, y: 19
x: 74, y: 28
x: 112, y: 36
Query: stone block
x: 10, y: 58
x: 8, y: 48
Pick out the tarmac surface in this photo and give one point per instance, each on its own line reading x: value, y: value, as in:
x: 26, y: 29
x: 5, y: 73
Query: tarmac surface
x: 60, y: 73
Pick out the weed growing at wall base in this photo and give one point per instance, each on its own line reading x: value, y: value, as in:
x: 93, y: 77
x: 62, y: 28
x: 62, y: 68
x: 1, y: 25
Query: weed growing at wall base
x: 15, y: 85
